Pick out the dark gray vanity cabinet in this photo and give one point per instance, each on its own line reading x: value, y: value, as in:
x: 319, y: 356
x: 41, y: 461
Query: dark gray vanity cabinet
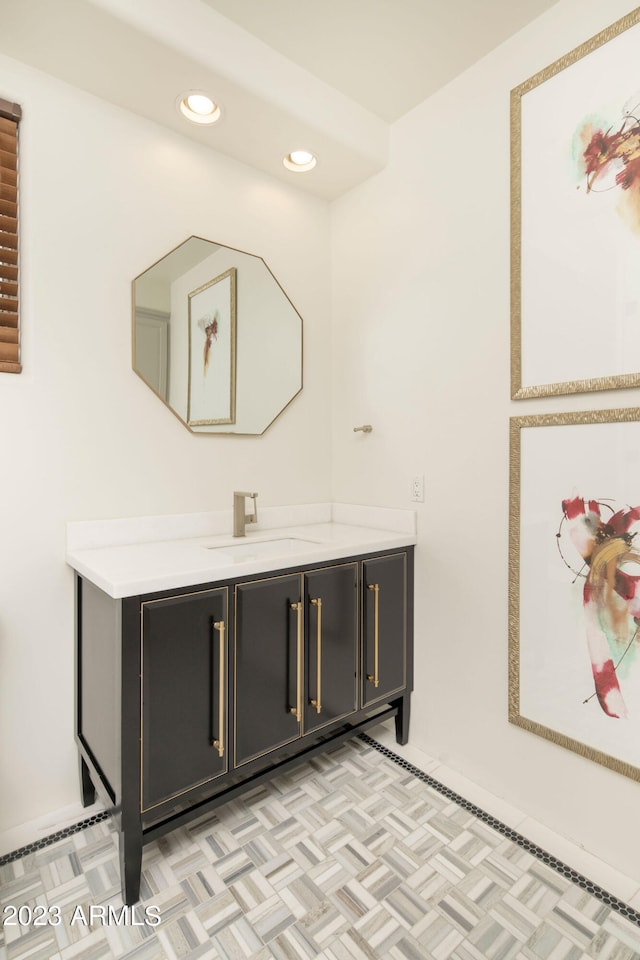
x: 295, y: 657
x: 186, y: 698
x: 384, y: 627
x: 184, y: 658
x: 264, y: 667
x: 331, y: 611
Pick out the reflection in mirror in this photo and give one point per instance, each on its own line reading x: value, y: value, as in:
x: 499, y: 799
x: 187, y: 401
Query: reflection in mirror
x: 216, y: 338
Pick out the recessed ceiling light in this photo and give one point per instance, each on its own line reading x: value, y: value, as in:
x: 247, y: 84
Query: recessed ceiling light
x: 198, y: 107
x: 299, y: 161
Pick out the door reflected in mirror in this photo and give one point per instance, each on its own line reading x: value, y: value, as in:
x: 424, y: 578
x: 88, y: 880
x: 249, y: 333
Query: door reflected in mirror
x: 216, y: 338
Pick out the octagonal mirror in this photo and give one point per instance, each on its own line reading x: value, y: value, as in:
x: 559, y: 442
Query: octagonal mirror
x: 216, y: 338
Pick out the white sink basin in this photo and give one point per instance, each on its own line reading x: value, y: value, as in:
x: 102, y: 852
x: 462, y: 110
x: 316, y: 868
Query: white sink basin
x: 263, y: 548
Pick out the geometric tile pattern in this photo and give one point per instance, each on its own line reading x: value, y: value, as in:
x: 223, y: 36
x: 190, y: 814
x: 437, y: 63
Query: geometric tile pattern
x: 47, y: 841
x: 352, y: 855
x: 573, y: 875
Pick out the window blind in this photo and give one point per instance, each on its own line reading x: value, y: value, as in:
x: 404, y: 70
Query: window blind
x: 10, y: 114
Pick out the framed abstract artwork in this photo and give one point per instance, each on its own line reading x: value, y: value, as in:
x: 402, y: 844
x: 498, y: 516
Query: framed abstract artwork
x: 574, y: 583
x: 212, y: 352
x: 575, y: 220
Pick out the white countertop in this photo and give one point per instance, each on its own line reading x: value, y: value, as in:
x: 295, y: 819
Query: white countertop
x: 144, y: 554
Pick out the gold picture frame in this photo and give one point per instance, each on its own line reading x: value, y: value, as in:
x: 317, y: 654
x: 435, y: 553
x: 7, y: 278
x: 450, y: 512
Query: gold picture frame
x: 212, y: 352
x: 570, y: 680
x: 575, y: 299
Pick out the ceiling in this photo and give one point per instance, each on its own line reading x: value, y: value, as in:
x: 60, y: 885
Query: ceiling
x: 387, y: 55
x: 288, y: 74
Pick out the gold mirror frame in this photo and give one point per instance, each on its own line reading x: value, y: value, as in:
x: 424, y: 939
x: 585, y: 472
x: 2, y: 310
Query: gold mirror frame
x: 216, y: 338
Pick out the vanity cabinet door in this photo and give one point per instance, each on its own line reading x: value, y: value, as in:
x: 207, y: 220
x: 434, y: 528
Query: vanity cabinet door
x: 184, y: 693
x: 331, y: 644
x: 268, y: 664
x: 384, y: 627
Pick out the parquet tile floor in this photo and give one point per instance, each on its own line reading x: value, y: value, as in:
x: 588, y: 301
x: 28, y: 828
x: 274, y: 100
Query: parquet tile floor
x: 353, y: 855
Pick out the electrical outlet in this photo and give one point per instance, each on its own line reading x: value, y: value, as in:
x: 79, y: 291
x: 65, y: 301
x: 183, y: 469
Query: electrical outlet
x: 417, y: 489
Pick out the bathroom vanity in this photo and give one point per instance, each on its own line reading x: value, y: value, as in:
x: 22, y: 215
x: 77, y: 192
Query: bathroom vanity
x: 207, y: 665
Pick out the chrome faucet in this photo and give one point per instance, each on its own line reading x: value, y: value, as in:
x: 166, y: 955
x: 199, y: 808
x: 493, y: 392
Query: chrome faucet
x: 240, y: 518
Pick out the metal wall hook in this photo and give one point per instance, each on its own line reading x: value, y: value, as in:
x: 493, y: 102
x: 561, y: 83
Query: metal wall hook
x: 365, y: 428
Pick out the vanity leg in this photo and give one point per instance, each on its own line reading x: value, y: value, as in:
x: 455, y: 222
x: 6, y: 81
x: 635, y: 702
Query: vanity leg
x: 130, y: 843
x: 87, y: 789
x: 402, y: 718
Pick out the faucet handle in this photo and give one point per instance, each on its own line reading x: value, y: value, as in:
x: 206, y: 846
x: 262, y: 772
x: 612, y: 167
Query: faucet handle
x: 242, y: 495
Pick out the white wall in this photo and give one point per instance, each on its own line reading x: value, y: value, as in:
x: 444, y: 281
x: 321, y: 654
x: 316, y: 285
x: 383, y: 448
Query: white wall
x: 421, y: 351
x: 104, y: 195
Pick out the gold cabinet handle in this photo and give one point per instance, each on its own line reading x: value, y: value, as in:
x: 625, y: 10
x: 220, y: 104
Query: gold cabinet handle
x: 375, y: 679
x: 219, y: 744
x: 317, y: 703
x: 297, y: 710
